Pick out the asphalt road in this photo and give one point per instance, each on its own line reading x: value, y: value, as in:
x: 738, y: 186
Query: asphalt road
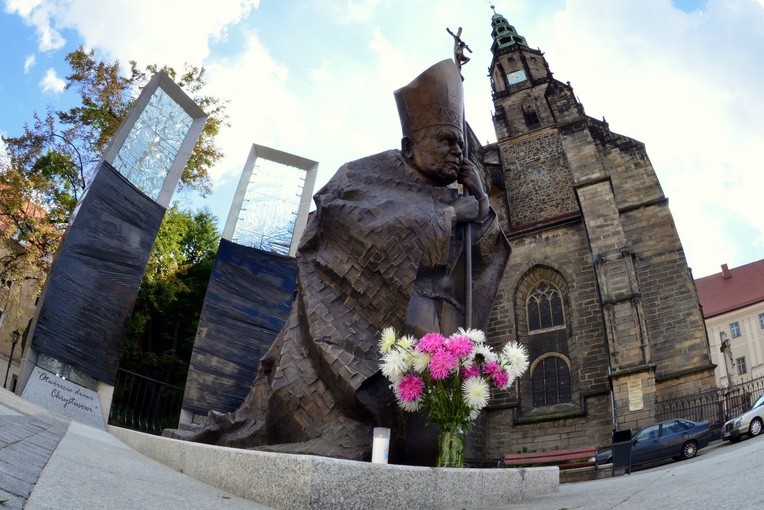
x: 722, y: 476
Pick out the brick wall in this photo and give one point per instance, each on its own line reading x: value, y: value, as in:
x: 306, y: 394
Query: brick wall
x: 539, y: 184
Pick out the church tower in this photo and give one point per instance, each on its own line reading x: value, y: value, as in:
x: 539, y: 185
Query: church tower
x: 597, y: 286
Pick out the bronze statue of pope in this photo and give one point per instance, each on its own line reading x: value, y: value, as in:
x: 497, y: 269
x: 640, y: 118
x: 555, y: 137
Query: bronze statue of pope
x: 383, y: 248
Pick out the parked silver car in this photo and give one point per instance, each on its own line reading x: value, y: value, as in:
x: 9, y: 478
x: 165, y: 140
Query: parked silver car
x: 749, y: 424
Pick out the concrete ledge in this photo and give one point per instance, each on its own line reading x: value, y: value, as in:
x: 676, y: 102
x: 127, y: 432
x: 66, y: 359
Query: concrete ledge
x: 310, y: 482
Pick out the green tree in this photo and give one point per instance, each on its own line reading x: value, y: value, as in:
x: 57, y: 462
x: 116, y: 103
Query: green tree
x: 163, y: 326
x: 47, y: 167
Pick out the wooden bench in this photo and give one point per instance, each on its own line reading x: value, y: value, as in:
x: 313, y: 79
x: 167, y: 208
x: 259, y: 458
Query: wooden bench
x: 583, y: 456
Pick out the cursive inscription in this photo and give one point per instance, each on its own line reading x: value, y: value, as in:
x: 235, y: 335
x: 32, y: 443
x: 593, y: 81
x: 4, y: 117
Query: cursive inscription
x: 67, y: 395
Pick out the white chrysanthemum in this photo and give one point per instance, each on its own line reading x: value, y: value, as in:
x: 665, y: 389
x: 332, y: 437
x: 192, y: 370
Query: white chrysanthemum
x: 476, y: 335
x: 517, y: 357
x: 483, y: 350
x: 474, y: 414
x: 395, y: 364
x: 476, y: 392
x: 387, y: 340
x: 406, y: 342
x: 421, y: 361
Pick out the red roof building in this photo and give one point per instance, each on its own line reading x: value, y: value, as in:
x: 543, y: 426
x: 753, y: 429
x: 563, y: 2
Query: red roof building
x: 733, y: 309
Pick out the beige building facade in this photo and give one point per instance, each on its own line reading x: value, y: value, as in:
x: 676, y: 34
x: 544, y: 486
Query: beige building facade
x: 733, y: 308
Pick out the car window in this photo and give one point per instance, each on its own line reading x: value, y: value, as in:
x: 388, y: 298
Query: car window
x: 648, y: 433
x: 758, y: 402
x: 676, y: 427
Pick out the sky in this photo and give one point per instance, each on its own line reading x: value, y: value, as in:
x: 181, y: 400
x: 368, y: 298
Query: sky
x: 316, y: 78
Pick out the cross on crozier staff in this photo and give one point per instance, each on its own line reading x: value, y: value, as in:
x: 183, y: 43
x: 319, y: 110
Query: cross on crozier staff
x: 459, y: 59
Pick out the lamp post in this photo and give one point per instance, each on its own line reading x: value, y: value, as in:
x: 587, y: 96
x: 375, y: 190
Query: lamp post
x: 14, y: 341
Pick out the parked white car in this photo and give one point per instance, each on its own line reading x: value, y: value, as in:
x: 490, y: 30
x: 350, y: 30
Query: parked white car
x: 749, y: 424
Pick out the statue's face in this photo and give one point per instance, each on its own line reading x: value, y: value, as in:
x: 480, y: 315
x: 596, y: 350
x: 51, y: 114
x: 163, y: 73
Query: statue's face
x: 437, y: 153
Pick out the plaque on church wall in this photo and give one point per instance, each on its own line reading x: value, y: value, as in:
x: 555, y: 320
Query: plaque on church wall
x: 636, y: 401
x: 56, y: 394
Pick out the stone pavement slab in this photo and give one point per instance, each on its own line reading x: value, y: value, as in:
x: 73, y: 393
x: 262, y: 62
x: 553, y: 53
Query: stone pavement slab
x: 26, y: 444
x: 92, y: 469
x: 48, y: 462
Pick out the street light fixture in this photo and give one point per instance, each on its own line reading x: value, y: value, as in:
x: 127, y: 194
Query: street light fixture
x: 14, y: 340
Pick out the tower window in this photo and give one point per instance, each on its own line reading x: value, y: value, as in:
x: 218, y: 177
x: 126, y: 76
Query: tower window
x: 735, y: 329
x: 530, y: 115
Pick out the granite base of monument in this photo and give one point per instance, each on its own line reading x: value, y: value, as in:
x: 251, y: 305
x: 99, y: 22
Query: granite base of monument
x: 64, y: 397
x: 310, y: 482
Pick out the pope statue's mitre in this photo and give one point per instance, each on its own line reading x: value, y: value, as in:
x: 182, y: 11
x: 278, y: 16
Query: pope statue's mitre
x: 434, y: 98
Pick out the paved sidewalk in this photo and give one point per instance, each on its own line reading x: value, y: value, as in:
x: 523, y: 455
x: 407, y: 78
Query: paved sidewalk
x: 27, y: 441
x: 46, y: 462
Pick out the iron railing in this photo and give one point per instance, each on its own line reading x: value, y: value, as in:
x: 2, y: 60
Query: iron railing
x: 144, y: 404
x: 715, y: 406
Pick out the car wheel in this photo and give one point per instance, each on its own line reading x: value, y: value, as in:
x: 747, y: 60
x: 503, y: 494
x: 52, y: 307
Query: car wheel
x: 689, y: 449
x: 755, y: 428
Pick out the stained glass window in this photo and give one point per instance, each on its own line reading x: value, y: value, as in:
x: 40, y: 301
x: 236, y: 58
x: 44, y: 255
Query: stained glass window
x: 545, y: 308
x: 271, y: 203
x: 551, y: 382
x: 153, y: 143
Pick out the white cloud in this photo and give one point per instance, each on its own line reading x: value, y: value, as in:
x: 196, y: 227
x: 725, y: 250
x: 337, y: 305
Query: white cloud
x: 316, y: 79
x: 29, y: 62
x: 168, y: 32
x: 39, y: 14
x: 351, y: 11
x: 52, y: 83
x: 262, y: 109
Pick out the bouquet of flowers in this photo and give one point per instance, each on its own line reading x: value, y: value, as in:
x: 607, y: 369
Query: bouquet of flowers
x: 449, y: 377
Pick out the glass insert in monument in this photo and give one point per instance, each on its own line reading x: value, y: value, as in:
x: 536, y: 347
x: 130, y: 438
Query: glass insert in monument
x: 267, y: 217
x: 153, y: 143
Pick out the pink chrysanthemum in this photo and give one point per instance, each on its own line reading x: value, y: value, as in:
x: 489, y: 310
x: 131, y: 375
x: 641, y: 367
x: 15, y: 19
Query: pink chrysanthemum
x: 459, y: 346
x: 500, y: 378
x: 471, y: 371
x: 441, y: 364
x: 410, y: 388
x: 431, y: 342
x: 490, y: 367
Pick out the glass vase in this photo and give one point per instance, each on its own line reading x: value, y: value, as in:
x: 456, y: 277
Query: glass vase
x: 451, y: 445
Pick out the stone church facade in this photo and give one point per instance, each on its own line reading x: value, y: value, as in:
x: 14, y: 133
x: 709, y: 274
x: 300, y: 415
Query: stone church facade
x: 597, y: 286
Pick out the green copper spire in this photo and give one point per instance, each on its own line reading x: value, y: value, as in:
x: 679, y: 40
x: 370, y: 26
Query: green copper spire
x: 504, y: 35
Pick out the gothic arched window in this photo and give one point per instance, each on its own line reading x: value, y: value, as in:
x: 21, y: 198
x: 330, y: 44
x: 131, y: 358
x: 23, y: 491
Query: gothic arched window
x: 530, y: 115
x: 551, y: 381
x: 544, y: 308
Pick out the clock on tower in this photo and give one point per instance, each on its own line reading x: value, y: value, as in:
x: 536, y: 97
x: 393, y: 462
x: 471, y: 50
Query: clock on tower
x: 516, y: 77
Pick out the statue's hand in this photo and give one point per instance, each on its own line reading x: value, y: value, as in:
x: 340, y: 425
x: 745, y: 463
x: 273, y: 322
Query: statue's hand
x: 469, y: 177
x: 466, y: 208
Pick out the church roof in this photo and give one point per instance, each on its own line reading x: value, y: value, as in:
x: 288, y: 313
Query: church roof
x: 731, y: 289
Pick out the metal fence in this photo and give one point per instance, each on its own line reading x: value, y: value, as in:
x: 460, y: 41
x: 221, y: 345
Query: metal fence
x: 715, y: 406
x: 144, y: 404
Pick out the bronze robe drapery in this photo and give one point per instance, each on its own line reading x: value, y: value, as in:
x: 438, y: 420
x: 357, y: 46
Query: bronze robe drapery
x: 382, y: 249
